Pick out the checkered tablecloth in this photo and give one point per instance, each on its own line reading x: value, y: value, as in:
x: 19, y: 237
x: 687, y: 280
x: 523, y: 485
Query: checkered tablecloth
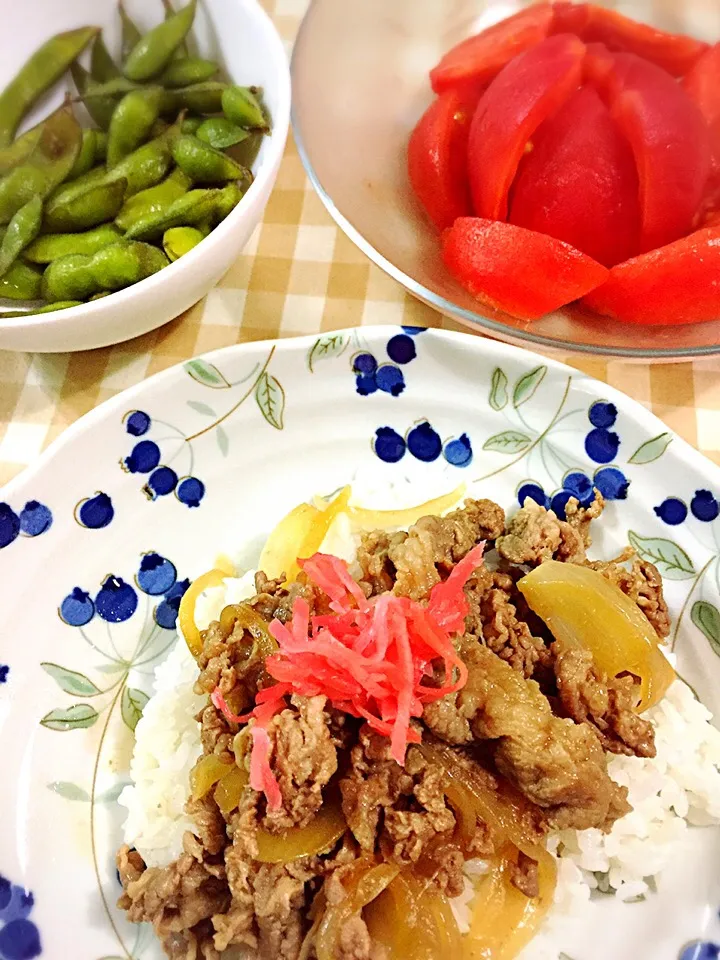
x: 298, y: 275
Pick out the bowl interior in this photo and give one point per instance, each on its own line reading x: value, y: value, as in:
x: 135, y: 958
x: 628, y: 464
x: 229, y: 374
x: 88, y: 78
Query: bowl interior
x: 360, y: 75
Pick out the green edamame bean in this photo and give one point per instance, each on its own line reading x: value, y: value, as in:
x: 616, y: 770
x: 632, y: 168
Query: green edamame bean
x: 85, y: 159
x: 155, y: 50
x: 177, y: 241
x: 131, y: 36
x: 99, y: 107
x: 220, y: 133
x: 78, y: 277
x: 151, y: 201
x: 21, y: 231
x: 19, y: 150
x: 186, y: 71
x: 102, y: 65
x: 96, y: 205
x: 188, y: 125
x: 69, y: 278
x: 126, y: 263
x: 203, y: 163
x: 69, y: 191
x: 47, y: 166
x: 131, y: 123
x: 51, y: 246
x: 40, y: 72
x: 183, y: 49
x: 198, y: 98
x: 21, y: 282
x: 194, y: 207
x: 226, y: 200
x: 117, y: 87
x: 241, y: 105
x: 146, y: 166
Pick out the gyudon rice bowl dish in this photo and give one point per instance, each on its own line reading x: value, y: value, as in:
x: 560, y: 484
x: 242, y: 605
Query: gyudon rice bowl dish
x: 434, y: 735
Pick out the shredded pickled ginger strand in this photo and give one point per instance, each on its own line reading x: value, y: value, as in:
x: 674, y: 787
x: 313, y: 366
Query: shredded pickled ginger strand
x: 370, y: 658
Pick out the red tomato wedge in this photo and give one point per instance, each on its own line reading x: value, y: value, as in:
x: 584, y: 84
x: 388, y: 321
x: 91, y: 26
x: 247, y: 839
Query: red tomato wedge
x: 598, y: 65
x: 675, y: 53
x: 671, y: 143
x: 674, y: 285
x: 480, y: 58
x: 580, y: 183
x: 524, y: 273
x: 437, y: 159
x: 702, y: 85
x: 529, y: 89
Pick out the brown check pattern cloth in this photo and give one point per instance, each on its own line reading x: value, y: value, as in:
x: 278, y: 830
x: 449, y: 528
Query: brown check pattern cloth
x: 298, y: 275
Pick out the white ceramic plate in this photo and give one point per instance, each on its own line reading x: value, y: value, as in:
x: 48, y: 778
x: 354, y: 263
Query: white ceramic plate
x: 97, y: 540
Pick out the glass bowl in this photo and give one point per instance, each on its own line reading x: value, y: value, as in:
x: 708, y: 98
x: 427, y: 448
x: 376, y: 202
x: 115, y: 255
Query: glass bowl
x: 360, y: 83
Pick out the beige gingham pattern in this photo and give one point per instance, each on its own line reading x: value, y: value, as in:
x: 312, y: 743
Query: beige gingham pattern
x: 298, y: 275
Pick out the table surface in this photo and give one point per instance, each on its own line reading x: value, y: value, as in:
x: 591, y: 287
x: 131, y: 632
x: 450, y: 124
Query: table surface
x: 298, y: 275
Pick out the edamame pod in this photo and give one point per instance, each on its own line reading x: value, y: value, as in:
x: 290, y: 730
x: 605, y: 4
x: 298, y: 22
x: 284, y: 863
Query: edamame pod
x: 47, y: 166
x: 155, y: 50
x: 86, y: 158
x: 20, y: 149
x: 102, y: 65
x: 219, y: 132
x: 97, y: 204
x: 189, y: 125
x: 151, y: 201
x: 78, y: 277
x: 21, y: 231
x: 131, y: 36
x: 177, y: 241
x: 145, y: 167
x: 99, y: 107
x: 194, y: 207
x: 241, y: 105
x: 198, y: 98
x: 21, y: 282
x: 131, y: 122
x: 203, y: 163
x: 45, y: 66
x: 186, y: 71
x: 52, y: 246
x: 183, y: 49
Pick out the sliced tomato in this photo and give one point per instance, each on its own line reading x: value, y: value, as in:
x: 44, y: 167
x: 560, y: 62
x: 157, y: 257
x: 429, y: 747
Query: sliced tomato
x: 598, y: 65
x: 480, y: 58
x: 675, y: 53
x: 702, y: 85
x: 437, y: 158
x: 674, y: 285
x: 529, y: 89
x: 524, y: 273
x: 671, y: 144
x: 579, y: 184
x: 570, y: 17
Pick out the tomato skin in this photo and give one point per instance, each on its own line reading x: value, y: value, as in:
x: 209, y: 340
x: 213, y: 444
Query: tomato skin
x: 527, y: 90
x: 671, y: 144
x: 579, y: 184
x: 524, y: 273
x: 702, y: 84
x: 437, y: 158
x: 479, y: 59
x: 676, y: 284
x: 675, y: 53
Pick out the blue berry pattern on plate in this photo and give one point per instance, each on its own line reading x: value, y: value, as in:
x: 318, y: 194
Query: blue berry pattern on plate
x: 4, y: 672
x: 19, y: 935
x: 423, y: 443
x: 700, y: 950
x: 95, y: 512
x: 373, y: 374
x: 34, y: 519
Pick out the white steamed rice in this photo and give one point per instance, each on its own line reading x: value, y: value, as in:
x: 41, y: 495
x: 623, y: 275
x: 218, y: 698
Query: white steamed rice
x: 679, y: 787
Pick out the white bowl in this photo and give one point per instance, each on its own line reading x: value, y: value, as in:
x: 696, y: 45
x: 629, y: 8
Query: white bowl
x: 240, y: 35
